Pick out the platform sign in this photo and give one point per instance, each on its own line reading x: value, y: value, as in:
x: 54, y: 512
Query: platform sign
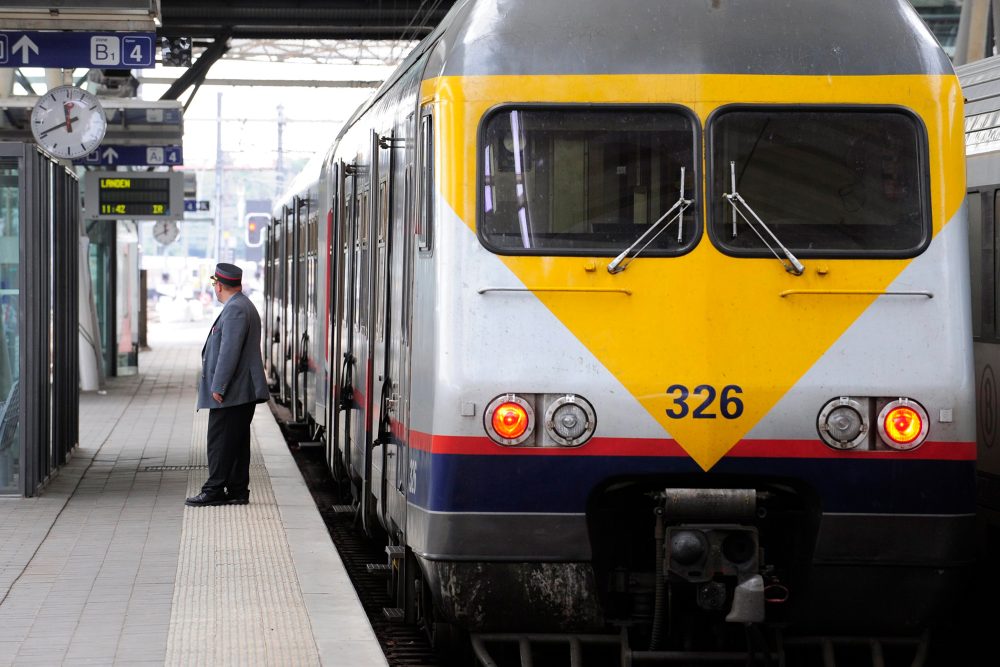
x: 195, y: 205
x: 133, y: 156
x: 143, y: 115
x: 100, y: 50
x: 134, y: 195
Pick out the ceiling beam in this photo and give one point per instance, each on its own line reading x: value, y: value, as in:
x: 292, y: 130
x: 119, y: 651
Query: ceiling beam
x: 389, y: 52
x: 272, y: 83
x: 319, y: 19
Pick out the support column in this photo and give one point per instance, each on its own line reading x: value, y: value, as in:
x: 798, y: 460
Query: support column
x: 974, y: 41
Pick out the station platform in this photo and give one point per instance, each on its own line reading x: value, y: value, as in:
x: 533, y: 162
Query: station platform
x: 107, y: 565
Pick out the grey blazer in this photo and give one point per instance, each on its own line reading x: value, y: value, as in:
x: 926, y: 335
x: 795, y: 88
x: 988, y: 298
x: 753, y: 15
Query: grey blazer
x: 230, y: 360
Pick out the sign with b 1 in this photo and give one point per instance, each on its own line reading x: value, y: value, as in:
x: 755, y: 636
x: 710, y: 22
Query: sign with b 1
x: 115, y: 50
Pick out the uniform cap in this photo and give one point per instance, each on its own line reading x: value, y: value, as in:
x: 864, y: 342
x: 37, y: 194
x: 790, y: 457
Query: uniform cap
x: 229, y: 274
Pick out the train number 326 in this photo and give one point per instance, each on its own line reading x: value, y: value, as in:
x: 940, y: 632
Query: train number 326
x: 703, y: 397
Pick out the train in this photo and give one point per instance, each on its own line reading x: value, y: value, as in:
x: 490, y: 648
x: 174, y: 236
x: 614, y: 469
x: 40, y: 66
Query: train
x: 646, y: 322
x: 980, y: 82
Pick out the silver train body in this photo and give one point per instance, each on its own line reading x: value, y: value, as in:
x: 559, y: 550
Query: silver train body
x: 981, y: 86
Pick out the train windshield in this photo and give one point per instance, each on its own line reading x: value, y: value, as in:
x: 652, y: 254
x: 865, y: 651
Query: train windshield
x: 825, y: 182
x: 565, y: 181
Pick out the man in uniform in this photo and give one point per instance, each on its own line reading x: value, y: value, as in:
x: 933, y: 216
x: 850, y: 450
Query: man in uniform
x: 232, y: 384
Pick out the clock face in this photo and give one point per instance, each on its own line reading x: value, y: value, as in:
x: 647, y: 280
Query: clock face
x: 68, y: 122
x: 165, y: 231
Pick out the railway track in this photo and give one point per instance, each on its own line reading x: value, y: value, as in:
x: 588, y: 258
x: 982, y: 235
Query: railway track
x: 404, y: 644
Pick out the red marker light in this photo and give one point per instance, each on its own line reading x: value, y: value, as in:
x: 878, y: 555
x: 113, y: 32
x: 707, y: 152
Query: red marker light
x: 510, y: 420
x: 903, y: 425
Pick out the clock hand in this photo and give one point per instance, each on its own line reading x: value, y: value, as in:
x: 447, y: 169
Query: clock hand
x: 59, y: 126
x: 69, y: 121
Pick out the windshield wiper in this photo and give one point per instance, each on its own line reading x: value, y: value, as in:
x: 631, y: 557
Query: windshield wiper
x: 617, y: 265
x: 790, y: 262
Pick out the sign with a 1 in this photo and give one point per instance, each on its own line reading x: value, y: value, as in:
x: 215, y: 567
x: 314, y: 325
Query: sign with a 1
x: 133, y: 156
x: 195, y: 205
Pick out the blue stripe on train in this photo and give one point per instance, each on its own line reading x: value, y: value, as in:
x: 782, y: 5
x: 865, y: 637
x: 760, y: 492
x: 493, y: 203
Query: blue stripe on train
x: 468, y: 483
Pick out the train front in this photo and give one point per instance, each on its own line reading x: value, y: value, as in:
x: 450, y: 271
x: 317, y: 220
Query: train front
x: 702, y: 344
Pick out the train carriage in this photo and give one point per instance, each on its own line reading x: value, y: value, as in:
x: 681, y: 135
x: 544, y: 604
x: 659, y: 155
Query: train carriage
x: 980, y: 84
x: 635, y: 314
x: 294, y: 352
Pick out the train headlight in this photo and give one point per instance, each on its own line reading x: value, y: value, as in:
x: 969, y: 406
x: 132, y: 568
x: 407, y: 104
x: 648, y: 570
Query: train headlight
x: 842, y: 423
x: 903, y: 424
x: 570, y: 420
x: 509, y: 419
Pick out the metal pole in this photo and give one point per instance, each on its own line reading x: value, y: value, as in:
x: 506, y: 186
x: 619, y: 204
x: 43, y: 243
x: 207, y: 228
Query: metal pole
x: 993, y: 42
x: 218, y: 179
x: 973, y: 24
x: 279, y: 167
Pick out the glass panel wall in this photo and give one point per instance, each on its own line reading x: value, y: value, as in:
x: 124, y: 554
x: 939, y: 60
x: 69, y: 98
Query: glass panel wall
x: 102, y: 266
x: 10, y: 441
x: 39, y: 315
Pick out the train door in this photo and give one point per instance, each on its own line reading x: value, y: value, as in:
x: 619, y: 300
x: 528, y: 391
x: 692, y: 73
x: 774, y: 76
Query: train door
x: 273, y: 341
x: 284, y: 264
x: 307, y: 309
x: 364, y: 344
x: 404, y: 249
x: 416, y: 246
x: 319, y: 322
x: 299, y: 216
x: 359, y: 341
x: 344, y: 399
x: 359, y: 347
x: 394, y: 268
x: 268, y: 291
x: 412, y: 232
x: 333, y: 305
x: 385, y: 384
x: 291, y: 375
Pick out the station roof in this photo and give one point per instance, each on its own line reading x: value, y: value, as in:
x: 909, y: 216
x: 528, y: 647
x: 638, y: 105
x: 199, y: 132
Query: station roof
x: 306, y: 19
x: 213, y: 25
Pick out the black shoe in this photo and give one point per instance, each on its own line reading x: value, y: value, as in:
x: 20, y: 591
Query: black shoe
x: 238, y: 498
x: 205, y: 499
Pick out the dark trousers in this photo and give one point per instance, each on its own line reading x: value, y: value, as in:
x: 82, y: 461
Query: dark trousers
x: 229, y: 450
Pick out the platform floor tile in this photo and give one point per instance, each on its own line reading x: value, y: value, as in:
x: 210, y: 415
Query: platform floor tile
x: 108, y: 566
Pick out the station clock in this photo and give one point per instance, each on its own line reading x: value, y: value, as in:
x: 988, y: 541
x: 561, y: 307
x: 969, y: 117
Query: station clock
x: 68, y: 122
x: 165, y: 231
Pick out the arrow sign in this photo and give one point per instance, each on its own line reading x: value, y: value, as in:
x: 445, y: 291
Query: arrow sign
x: 25, y: 46
x: 133, y: 156
x: 39, y: 48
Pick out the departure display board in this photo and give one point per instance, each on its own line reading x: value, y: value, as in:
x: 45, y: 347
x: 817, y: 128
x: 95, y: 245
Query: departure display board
x: 134, y: 195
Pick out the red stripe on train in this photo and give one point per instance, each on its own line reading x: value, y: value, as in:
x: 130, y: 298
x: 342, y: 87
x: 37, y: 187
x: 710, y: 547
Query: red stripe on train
x: 787, y: 449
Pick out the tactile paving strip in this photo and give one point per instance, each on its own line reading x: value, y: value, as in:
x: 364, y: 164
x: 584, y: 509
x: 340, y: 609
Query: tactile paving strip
x: 236, y: 599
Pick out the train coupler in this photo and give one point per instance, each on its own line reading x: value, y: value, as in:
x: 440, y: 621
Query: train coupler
x: 721, y: 560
